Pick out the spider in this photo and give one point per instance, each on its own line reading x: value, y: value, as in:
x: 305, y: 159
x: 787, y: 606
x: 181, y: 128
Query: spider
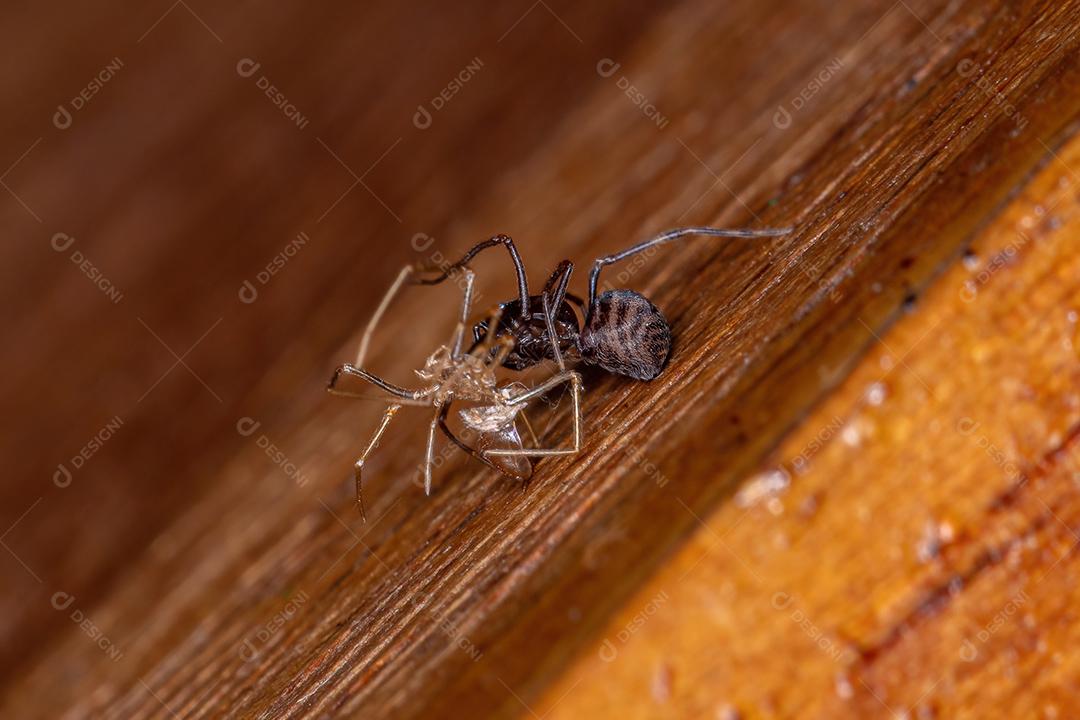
x: 620, y: 331
x: 451, y: 374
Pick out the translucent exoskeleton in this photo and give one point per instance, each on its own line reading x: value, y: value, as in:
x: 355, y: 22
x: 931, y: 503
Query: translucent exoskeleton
x: 451, y: 375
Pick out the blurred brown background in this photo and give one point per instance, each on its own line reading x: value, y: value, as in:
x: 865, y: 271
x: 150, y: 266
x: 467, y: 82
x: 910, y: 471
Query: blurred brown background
x: 180, y: 179
x: 201, y: 206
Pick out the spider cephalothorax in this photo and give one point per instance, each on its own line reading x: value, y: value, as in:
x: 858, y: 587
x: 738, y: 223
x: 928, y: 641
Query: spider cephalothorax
x: 532, y: 345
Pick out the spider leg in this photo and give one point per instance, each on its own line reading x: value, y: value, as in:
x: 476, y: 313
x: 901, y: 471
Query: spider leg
x: 551, y: 329
x: 519, y: 267
x: 575, y: 386
x: 668, y: 236
x: 429, y: 457
x: 372, y: 444
x: 505, y: 345
x: 555, y: 287
x: 466, y: 305
x: 402, y: 395
x: 480, y: 348
x: 369, y: 331
x: 529, y: 427
x: 365, y: 340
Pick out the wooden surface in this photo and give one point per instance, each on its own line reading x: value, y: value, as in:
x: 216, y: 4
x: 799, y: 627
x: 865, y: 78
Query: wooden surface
x: 920, y: 559
x: 227, y: 586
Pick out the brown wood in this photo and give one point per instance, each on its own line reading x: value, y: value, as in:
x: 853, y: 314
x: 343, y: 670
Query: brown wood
x: 183, y: 538
x: 923, y: 556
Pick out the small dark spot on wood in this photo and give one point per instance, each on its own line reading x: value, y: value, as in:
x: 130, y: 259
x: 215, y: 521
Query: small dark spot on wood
x: 907, y: 262
x: 908, y: 305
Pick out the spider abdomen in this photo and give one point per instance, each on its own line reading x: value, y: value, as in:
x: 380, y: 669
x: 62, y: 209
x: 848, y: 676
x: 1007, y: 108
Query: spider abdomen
x: 626, y: 335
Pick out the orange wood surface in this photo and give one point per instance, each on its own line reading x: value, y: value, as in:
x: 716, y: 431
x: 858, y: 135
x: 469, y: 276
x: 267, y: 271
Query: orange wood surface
x: 921, y: 561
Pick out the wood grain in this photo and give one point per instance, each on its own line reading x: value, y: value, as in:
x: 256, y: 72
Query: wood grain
x: 230, y: 587
x: 920, y: 557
